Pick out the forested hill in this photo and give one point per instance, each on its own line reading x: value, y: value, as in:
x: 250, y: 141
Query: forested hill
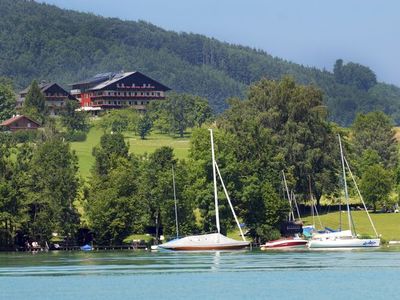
x: 47, y: 43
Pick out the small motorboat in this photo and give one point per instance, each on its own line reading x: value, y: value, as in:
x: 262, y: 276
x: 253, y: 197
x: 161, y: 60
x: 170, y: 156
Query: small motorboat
x: 295, y: 241
x: 285, y: 243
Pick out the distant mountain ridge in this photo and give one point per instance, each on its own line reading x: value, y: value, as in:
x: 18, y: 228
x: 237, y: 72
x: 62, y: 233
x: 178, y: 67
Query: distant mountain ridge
x: 43, y: 42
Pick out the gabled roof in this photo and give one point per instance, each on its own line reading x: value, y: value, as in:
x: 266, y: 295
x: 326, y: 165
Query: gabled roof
x: 44, y: 86
x: 114, y: 79
x: 95, y: 79
x: 120, y: 76
x: 16, y: 118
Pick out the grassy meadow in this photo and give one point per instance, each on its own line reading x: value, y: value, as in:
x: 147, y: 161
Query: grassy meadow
x: 387, y: 224
x: 136, y: 145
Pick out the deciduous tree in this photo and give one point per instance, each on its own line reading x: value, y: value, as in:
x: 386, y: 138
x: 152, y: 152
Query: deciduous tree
x: 144, y: 126
x: 376, y: 184
x: 374, y: 132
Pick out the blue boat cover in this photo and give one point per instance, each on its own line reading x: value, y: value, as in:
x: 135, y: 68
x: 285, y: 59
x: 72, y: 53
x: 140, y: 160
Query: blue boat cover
x: 86, y: 248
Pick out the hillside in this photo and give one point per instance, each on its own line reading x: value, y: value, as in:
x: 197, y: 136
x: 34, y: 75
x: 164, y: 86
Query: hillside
x: 137, y: 146
x: 44, y: 42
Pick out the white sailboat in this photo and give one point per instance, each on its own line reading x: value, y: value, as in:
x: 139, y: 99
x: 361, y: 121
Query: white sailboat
x: 350, y: 239
x: 211, y: 241
x: 325, y: 233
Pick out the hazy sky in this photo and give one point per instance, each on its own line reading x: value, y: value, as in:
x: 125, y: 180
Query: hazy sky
x: 309, y: 32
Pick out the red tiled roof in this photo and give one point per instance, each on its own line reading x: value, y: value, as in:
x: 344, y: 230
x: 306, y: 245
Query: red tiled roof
x: 16, y: 118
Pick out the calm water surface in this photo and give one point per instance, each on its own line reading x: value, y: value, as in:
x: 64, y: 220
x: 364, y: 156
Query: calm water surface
x: 222, y: 275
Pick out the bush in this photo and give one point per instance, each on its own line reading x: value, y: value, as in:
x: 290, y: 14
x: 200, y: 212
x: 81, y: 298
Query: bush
x: 23, y: 136
x: 267, y: 233
x: 75, y: 136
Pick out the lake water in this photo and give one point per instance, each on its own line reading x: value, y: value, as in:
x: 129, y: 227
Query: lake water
x: 347, y: 274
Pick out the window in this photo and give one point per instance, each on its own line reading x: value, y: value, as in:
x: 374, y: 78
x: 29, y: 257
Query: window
x: 29, y: 125
x: 135, y: 102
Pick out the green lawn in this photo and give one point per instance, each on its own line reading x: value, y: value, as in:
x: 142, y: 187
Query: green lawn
x: 387, y: 224
x: 137, y: 146
x: 84, y: 151
x: 156, y: 140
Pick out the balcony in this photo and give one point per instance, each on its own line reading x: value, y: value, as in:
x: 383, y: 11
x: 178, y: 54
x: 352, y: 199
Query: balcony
x: 127, y: 97
x: 75, y: 92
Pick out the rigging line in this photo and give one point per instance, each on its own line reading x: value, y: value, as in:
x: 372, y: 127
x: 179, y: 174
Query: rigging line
x: 316, y: 211
x: 229, y: 201
x: 361, y: 197
x: 346, y: 192
x: 297, y: 207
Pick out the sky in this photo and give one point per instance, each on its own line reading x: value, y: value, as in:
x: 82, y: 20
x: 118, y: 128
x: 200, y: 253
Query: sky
x: 308, y: 32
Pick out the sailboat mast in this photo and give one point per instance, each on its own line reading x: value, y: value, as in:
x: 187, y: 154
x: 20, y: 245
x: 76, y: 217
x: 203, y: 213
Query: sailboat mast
x: 346, y: 192
x: 312, y: 201
x: 291, y: 213
x: 176, y: 206
x: 215, y: 182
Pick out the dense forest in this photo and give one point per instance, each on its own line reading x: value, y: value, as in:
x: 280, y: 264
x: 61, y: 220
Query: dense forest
x: 43, y: 42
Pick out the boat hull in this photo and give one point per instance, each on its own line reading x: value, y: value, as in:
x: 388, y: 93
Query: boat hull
x: 284, y: 244
x: 343, y: 243
x: 209, y: 247
x: 206, y: 242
